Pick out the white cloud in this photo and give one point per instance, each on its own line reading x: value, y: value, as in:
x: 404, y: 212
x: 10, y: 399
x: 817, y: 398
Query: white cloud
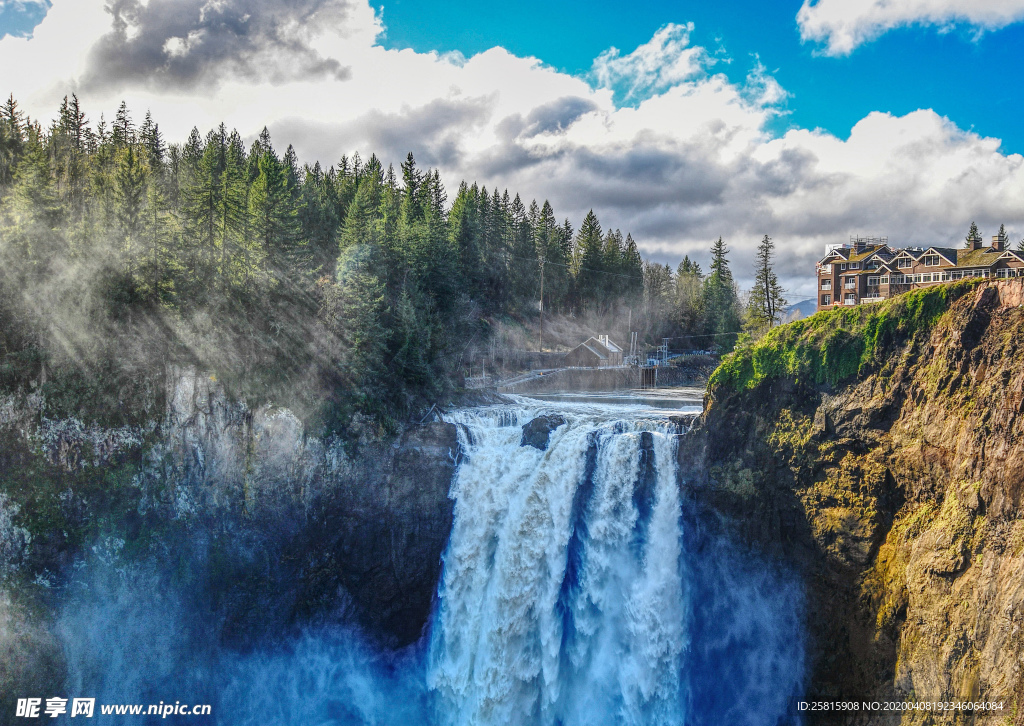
x: 22, y: 4
x: 845, y: 24
x: 686, y: 158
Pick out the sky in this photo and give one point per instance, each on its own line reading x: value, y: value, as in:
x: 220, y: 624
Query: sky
x: 675, y: 121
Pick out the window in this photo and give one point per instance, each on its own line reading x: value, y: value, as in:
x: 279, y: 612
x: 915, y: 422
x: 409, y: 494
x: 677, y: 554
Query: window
x: 851, y: 299
x: 873, y: 281
x: 826, y: 284
x: 851, y: 283
x: 871, y: 264
x: 956, y: 275
x: 842, y: 266
x: 854, y: 265
x: 931, y: 260
x: 826, y: 299
x: 883, y: 281
x: 904, y: 262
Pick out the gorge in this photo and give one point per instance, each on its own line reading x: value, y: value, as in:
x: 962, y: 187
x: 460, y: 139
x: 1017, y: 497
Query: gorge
x: 840, y: 523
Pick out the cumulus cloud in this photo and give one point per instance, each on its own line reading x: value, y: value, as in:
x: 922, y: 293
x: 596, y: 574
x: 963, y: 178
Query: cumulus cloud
x: 653, y: 140
x: 186, y: 43
x: 845, y: 24
x: 664, y: 61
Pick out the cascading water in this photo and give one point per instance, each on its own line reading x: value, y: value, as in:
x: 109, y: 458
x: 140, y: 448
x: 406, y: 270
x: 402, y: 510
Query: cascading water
x: 579, y: 587
x: 573, y: 594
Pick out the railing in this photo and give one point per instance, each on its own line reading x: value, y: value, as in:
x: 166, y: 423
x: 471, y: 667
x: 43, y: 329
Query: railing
x: 826, y: 284
x: 850, y: 286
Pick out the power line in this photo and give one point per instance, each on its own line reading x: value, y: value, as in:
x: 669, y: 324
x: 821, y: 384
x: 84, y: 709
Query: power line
x: 705, y: 335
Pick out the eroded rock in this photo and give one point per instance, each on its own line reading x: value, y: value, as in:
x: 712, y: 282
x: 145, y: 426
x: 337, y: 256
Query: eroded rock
x: 537, y: 432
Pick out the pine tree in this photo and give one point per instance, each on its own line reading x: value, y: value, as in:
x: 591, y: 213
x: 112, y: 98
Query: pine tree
x: 689, y: 298
x: 720, y: 301
x: 72, y: 123
x: 363, y: 221
x: 203, y: 206
x: 131, y: 180
x: 123, y: 131
x: 274, y: 222
x: 972, y: 235
x: 767, y: 297
x: 238, y: 257
x: 152, y: 139
x: 12, y: 139
x: 588, y: 261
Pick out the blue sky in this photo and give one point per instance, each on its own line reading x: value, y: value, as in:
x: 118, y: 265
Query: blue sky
x: 807, y: 122
x: 975, y: 82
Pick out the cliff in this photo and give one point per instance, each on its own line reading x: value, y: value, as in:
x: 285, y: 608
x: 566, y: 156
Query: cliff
x: 271, y: 527
x: 881, y: 450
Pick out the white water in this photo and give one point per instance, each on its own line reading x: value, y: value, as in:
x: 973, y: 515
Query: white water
x: 579, y: 588
x: 566, y: 596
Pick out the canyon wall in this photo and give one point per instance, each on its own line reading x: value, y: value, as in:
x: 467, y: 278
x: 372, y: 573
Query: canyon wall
x: 895, y: 487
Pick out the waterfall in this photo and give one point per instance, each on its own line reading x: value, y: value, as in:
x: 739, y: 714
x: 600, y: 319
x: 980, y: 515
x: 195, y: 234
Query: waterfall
x: 581, y: 586
x: 569, y: 595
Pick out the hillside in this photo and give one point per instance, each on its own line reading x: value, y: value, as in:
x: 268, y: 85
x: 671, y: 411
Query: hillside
x: 880, y: 449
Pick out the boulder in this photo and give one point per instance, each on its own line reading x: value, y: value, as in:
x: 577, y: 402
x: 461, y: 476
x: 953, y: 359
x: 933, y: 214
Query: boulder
x: 537, y: 432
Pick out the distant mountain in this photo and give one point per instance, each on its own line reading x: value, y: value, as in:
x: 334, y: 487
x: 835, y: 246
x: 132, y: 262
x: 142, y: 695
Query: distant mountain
x: 802, y: 309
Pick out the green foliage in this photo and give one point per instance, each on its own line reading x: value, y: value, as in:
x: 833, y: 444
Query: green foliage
x: 835, y: 345
x: 345, y: 292
x: 767, y: 298
x: 720, y: 300
x: 973, y: 235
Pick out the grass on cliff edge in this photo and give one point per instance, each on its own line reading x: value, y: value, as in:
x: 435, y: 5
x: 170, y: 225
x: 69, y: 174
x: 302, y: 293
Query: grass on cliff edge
x: 834, y: 345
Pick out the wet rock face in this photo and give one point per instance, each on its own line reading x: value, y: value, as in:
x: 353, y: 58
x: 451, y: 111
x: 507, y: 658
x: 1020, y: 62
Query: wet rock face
x: 537, y: 432
x: 897, y: 494
x: 387, y: 540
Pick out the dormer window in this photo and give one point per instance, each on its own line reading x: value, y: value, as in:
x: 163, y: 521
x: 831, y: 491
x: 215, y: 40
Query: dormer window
x: 904, y: 262
x: 931, y: 260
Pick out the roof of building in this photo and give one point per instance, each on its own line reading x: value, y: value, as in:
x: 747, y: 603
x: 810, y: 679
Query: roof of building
x: 608, y: 343
x: 984, y: 257
x: 596, y: 348
x: 863, y: 255
x: 913, y: 253
x: 948, y: 252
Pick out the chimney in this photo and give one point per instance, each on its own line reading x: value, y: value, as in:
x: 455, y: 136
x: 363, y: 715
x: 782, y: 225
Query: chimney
x: 999, y: 242
x: 976, y: 242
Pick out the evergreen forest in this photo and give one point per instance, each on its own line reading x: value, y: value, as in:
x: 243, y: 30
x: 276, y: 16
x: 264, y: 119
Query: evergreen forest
x: 355, y: 290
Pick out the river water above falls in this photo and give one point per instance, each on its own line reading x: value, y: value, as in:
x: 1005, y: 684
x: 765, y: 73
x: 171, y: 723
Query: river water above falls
x: 581, y: 586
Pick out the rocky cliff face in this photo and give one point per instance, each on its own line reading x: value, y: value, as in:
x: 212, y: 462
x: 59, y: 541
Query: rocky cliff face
x: 897, y: 491
x: 286, y: 526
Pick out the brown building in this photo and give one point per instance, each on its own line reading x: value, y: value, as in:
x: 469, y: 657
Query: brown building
x: 594, y: 353
x: 869, y: 270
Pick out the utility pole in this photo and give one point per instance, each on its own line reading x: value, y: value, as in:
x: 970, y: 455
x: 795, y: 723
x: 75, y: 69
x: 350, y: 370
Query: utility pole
x: 540, y: 348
